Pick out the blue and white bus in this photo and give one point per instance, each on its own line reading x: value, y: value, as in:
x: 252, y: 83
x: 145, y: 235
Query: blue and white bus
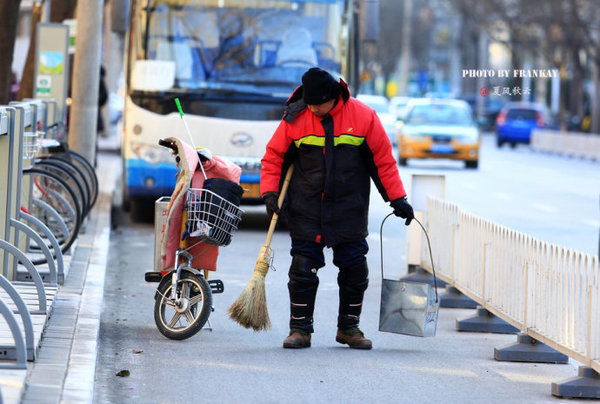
x: 232, y: 64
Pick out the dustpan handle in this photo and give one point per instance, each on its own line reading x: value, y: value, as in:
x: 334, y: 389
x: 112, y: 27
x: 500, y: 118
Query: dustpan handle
x: 428, y: 245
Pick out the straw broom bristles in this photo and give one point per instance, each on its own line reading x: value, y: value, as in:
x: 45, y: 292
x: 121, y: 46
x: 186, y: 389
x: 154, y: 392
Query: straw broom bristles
x: 250, y: 308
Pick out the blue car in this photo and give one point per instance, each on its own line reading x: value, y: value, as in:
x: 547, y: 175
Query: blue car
x: 516, y: 121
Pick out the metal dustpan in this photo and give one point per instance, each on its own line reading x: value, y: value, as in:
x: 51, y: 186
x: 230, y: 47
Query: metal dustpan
x: 409, y: 308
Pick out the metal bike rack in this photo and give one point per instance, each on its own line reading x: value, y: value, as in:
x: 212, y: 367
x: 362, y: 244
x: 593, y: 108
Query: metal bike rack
x: 8, y: 251
x: 20, y: 347
x: 19, y: 117
x: 55, y: 273
x: 26, y: 118
x: 48, y: 116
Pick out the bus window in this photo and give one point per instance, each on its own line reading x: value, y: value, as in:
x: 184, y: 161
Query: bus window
x: 296, y: 47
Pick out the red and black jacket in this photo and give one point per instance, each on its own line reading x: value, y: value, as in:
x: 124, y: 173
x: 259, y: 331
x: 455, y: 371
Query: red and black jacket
x: 334, y: 159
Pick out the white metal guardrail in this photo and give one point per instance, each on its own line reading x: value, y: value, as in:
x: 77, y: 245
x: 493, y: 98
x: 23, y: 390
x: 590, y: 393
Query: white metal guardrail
x: 549, y: 292
x: 568, y: 143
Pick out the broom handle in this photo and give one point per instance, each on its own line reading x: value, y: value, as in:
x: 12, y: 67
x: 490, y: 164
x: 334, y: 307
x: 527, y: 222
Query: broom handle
x: 284, y: 187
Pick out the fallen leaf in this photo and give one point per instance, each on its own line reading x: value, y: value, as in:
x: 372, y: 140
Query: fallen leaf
x: 137, y: 351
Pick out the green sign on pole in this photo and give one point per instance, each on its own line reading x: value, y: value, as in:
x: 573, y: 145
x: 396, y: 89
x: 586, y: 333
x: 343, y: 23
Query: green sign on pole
x: 52, y: 65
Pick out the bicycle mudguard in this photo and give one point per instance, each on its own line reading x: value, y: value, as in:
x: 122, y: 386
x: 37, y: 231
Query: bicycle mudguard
x: 165, y: 279
x: 216, y: 285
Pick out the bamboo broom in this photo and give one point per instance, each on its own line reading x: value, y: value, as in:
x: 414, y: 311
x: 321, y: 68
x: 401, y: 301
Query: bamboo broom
x: 250, y: 309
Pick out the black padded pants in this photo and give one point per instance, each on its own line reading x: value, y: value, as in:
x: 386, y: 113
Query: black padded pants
x: 353, y: 281
x: 302, y: 285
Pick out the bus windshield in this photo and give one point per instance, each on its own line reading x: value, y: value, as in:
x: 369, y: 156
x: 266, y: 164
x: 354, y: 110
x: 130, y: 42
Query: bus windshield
x: 257, y: 47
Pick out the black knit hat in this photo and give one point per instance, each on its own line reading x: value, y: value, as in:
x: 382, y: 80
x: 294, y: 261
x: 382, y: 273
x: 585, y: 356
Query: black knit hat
x: 318, y: 86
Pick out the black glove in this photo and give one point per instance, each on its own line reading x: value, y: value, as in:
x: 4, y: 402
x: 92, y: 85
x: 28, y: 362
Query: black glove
x: 270, y: 199
x: 403, y: 209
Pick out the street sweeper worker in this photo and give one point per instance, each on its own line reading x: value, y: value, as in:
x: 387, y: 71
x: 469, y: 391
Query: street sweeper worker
x: 337, y: 145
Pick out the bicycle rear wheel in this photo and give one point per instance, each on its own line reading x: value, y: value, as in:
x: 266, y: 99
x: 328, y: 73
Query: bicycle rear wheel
x: 57, y: 195
x: 69, y: 175
x: 86, y: 168
x: 183, y: 321
x: 82, y: 165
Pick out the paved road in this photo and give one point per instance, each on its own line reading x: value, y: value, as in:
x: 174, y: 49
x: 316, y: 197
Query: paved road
x: 553, y: 198
x: 232, y: 365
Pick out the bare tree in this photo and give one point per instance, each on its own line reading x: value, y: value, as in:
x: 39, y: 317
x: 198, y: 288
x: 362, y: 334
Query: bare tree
x: 9, y: 13
x: 382, y: 58
x: 62, y: 10
x: 26, y: 86
x: 558, y: 30
x: 388, y: 45
x: 421, y: 40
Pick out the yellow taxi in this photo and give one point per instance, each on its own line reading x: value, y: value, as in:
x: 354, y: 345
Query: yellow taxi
x: 438, y: 128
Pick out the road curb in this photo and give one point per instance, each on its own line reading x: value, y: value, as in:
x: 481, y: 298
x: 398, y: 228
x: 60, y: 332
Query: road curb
x: 66, y: 367
x: 81, y: 369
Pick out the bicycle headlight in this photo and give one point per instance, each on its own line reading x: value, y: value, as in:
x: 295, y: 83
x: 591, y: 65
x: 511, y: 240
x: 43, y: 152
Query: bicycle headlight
x: 151, y: 154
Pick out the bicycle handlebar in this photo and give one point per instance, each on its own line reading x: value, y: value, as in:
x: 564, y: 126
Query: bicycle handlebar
x: 170, y: 145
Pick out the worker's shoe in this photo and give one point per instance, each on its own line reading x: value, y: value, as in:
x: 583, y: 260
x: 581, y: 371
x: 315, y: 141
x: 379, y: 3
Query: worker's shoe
x: 354, y: 338
x: 297, y: 339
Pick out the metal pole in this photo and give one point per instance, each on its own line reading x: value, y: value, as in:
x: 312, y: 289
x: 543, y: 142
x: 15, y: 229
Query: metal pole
x: 482, y: 63
x: 46, y: 4
x: 595, y: 104
x: 86, y: 77
x: 405, y: 58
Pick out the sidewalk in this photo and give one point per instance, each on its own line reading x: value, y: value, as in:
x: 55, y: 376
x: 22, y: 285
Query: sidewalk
x: 64, y: 370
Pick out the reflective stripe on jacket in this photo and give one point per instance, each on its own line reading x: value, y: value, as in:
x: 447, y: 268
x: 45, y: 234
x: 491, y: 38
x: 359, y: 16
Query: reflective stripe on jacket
x: 334, y: 159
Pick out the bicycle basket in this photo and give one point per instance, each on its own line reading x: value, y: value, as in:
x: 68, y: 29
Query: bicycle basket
x: 211, y: 218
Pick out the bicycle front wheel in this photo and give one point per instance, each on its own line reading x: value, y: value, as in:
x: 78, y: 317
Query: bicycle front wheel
x: 183, y: 320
